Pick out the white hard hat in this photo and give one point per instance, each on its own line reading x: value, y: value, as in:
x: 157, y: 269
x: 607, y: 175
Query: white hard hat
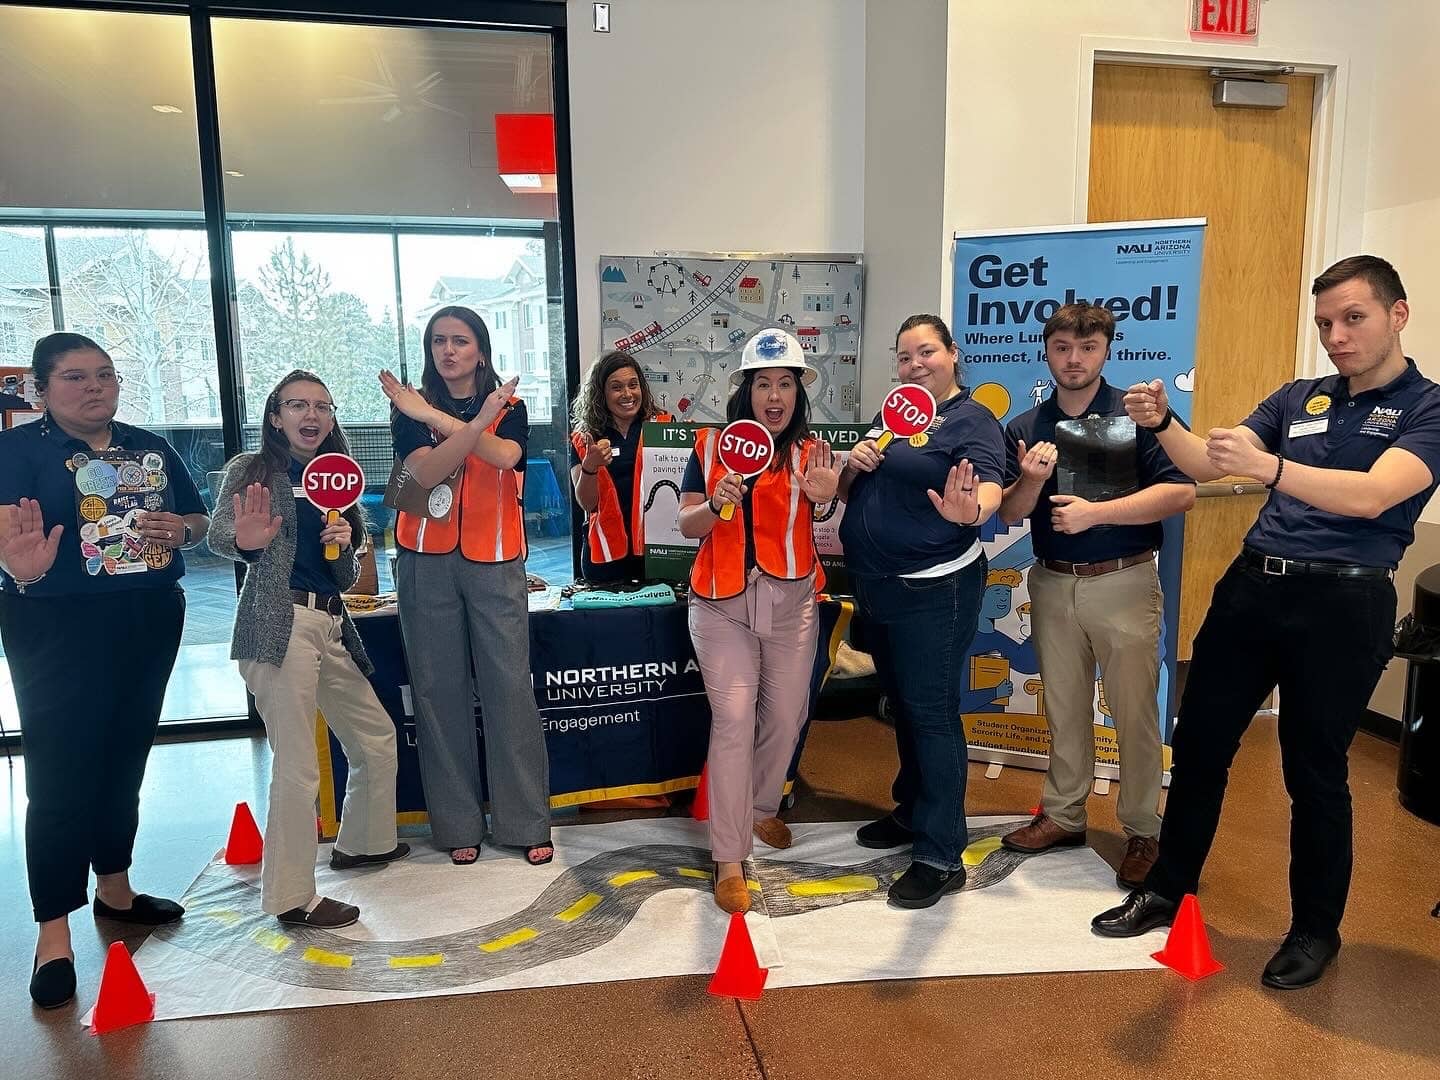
x: 771, y: 349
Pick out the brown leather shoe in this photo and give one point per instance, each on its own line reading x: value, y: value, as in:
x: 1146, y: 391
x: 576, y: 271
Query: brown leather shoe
x: 732, y: 894
x: 1041, y: 834
x: 774, y: 832
x: 1140, y: 855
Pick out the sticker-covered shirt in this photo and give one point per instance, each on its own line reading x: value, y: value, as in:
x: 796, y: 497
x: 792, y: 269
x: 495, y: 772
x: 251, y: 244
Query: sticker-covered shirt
x: 96, y: 496
x: 1318, y: 422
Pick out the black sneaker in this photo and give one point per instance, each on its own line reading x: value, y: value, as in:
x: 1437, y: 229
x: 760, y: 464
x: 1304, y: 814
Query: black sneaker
x: 885, y: 833
x: 923, y: 884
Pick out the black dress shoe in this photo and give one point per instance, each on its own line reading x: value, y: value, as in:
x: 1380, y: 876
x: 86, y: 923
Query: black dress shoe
x: 343, y: 860
x: 923, y: 884
x: 1302, y: 959
x: 885, y: 833
x: 146, y: 910
x: 1141, y: 912
x: 53, y: 984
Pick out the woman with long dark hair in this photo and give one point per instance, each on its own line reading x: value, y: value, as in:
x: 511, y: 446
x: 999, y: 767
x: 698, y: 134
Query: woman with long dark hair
x: 460, y: 580
x: 93, y: 516
x: 912, y: 545
x: 610, y: 411
x: 752, y: 601
x: 299, y: 651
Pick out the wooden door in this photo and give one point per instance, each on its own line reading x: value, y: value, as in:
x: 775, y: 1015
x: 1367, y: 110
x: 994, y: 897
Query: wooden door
x: 1160, y: 149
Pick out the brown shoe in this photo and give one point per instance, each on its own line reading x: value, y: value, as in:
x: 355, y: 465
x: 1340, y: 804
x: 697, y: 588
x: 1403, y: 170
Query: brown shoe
x: 1041, y: 834
x: 732, y: 894
x: 773, y: 831
x: 1140, y: 855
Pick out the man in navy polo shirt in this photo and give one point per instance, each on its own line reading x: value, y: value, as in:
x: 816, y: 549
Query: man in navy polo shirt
x: 1350, y: 460
x: 1094, y: 592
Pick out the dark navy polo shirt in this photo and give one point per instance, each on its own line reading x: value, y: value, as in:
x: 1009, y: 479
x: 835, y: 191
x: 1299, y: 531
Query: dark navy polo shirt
x: 890, y: 526
x: 1102, y: 542
x: 311, y: 572
x: 35, y: 461
x: 1317, y: 422
x: 621, y: 464
x: 410, y: 435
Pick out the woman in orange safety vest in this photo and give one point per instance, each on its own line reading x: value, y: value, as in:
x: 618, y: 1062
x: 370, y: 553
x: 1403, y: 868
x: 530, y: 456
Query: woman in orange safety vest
x: 753, y: 618
x: 460, y: 580
x: 610, y: 411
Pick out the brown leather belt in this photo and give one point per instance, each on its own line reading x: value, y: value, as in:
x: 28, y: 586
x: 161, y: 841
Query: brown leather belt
x: 331, y: 604
x: 1095, y: 569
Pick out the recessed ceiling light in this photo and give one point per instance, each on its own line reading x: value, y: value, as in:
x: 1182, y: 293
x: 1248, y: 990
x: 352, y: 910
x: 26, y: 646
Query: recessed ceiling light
x: 167, y: 108
x: 233, y: 172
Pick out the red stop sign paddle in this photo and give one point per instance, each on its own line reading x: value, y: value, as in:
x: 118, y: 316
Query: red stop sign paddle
x: 907, y: 411
x: 745, y: 448
x: 333, y: 483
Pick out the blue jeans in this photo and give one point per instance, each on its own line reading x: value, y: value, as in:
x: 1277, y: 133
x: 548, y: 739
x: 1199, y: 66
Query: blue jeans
x: 919, y: 631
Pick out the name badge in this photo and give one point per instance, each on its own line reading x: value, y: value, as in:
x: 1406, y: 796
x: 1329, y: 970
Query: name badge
x: 1309, y: 427
x: 297, y: 491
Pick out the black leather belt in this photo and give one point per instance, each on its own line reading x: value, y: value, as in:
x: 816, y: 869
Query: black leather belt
x: 1278, y: 566
x: 331, y: 604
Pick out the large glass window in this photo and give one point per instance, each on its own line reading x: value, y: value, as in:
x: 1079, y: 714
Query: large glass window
x: 363, y: 191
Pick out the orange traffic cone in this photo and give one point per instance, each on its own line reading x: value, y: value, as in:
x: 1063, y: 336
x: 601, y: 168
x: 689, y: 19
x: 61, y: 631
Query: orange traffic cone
x: 244, y: 848
x: 739, y: 974
x: 1187, y: 949
x: 123, y: 999
x: 700, y: 808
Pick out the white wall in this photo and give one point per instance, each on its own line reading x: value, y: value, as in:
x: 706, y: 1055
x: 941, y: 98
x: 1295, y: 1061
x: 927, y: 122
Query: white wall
x: 700, y: 126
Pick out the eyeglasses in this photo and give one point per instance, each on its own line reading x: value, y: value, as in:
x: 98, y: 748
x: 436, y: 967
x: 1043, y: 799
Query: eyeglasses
x: 300, y: 405
x: 80, y: 378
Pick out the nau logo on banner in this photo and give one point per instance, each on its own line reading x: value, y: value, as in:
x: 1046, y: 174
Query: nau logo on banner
x: 1134, y: 249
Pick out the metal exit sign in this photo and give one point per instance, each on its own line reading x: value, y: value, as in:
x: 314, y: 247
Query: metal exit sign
x: 1234, y: 20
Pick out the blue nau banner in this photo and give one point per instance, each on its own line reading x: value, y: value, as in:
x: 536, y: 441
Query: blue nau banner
x: 1007, y: 284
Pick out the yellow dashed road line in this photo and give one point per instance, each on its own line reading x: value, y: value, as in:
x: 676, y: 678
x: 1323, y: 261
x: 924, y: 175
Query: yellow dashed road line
x: 327, y: 959
x: 229, y: 918
x: 518, y: 937
x: 580, y: 907
x: 979, y: 851
x: 272, y: 940
x: 752, y: 884
x: 704, y: 875
x: 433, y: 960
x: 851, y: 883
x: 621, y: 880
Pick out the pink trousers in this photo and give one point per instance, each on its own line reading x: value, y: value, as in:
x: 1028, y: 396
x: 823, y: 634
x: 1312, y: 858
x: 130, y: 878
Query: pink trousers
x: 756, y: 652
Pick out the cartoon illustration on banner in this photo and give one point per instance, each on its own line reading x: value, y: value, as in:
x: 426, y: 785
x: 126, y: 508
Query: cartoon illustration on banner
x: 1147, y: 275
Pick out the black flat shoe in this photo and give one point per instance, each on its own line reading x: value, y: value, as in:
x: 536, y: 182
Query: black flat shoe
x: 922, y: 885
x: 146, y: 910
x: 885, y: 833
x: 1301, y: 961
x: 328, y: 915
x: 53, y: 984
x: 1141, y: 912
x: 343, y: 860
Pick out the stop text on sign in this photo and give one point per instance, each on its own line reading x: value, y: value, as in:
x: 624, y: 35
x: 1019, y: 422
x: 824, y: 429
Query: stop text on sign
x: 343, y: 483
x: 908, y: 410
x: 333, y: 481
x: 746, y: 447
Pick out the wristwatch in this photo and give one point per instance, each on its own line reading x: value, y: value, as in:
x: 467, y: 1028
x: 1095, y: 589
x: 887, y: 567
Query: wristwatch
x: 189, y: 536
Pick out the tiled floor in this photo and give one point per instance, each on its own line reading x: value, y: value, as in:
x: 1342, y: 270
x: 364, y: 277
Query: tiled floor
x: 1372, y: 1017
x: 206, y: 684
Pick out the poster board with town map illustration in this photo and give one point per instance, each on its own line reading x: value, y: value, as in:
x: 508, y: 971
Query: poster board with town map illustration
x: 686, y: 320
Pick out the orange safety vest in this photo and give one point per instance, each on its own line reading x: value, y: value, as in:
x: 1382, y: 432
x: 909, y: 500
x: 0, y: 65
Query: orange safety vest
x: 783, y: 530
x: 488, y: 523
x: 606, y: 534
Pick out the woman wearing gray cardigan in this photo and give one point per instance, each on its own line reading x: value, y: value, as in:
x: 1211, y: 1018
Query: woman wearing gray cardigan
x: 298, y: 650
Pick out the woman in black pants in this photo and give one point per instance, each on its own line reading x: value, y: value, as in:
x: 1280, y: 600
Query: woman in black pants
x: 93, y: 514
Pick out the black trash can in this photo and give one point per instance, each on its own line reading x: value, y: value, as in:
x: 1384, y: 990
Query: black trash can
x: 1417, y: 640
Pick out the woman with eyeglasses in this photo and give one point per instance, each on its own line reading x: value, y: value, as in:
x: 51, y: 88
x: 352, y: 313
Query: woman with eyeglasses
x: 299, y: 651
x: 460, y: 580
x: 93, y: 516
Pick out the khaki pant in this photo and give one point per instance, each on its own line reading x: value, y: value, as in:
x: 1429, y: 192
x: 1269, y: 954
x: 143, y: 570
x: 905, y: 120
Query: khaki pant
x: 756, y: 652
x: 1112, y: 619
x: 318, y: 672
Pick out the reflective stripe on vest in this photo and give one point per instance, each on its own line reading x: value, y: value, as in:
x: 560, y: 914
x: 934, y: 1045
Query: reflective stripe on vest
x: 488, y: 522
x: 783, y: 532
